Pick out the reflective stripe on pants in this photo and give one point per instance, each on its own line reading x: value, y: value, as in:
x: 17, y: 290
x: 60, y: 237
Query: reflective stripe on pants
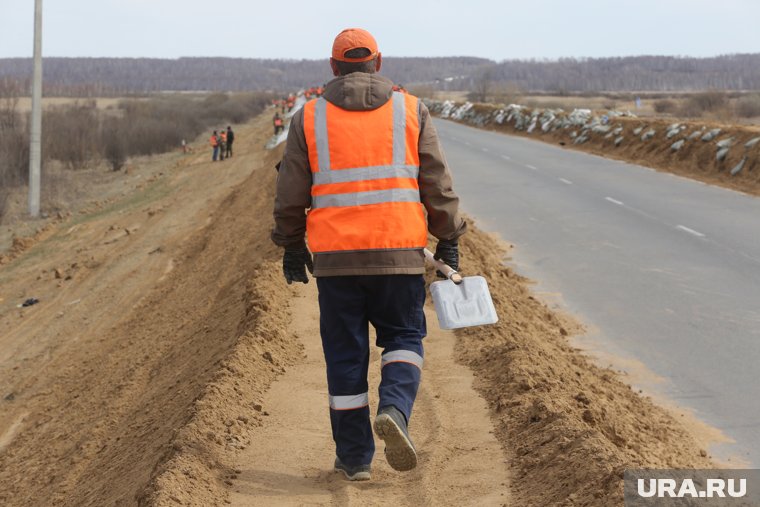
x: 402, y: 356
x: 351, y: 402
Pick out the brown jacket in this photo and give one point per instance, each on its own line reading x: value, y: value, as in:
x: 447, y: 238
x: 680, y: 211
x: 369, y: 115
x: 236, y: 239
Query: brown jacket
x: 362, y: 92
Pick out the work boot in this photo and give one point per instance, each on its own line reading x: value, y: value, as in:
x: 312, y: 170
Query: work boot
x: 390, y: 426
x: 353, y: 473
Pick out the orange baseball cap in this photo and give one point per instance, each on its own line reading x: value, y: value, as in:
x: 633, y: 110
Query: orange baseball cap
x: 354, y: 38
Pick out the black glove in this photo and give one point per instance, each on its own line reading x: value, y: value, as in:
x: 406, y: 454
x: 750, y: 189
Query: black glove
x: 294, y: 264
x: 448, y: 252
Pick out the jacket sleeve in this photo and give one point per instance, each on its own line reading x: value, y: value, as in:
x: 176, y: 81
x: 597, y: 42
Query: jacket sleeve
x: 293, y: 195
x: 438, y: 197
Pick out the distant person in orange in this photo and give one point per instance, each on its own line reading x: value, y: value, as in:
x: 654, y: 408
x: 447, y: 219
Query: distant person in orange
x: 215, y: 145
x: 230, y: 140
x: 222, y: 144
x: 278, y: 124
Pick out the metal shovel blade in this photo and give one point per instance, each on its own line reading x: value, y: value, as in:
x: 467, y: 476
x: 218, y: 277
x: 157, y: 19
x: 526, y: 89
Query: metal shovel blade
x: 464, y: 304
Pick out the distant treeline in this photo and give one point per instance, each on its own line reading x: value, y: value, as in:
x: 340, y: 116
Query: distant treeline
x: 635, y: 73
x: 87, y: 77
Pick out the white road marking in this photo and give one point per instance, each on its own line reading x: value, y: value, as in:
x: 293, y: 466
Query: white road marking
x: 468, y: 143
x: 690, y: 231
x: 485, y: 149
x: 566, y: 182
x: 506, y: 157
x: 534, y: 168
x: 614, y: 201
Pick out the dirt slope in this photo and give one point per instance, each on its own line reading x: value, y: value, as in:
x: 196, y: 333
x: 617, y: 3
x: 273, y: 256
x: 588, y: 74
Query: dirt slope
x: 142, y: 377
x: 147, y: 300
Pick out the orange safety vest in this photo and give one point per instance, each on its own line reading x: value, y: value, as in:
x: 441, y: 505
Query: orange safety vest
x: 213, y: 141
x: 365, y: 164
x: 224, y: 137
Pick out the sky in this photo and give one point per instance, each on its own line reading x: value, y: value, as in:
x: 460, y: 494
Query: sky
x: 497, y: 30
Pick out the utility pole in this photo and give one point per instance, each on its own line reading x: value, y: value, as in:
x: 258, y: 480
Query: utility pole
x: 35, y: 156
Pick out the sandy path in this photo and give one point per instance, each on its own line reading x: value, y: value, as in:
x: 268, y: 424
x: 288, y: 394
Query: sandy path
x: 289, y: 461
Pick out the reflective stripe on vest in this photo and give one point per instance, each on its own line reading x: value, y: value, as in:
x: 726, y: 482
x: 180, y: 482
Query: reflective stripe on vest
x: 351, y: 402
x: 368, y: 162
x: 398, y: 169
x: 363, y: 198
x: 402, y: 356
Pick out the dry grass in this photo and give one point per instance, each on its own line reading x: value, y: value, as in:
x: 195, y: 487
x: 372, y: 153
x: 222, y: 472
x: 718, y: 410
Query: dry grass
x: 748, y: 107
x: 81, y: 137
x: 25, y: 103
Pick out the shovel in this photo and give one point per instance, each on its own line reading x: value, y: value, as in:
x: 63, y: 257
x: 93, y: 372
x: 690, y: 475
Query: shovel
x: 460, y: 301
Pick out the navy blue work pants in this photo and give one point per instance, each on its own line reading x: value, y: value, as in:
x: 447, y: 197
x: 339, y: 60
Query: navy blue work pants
x: 393, y: 304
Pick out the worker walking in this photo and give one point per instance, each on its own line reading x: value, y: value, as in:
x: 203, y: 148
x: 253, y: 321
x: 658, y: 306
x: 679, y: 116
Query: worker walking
x: 277, y: 122
x: 366, y: 163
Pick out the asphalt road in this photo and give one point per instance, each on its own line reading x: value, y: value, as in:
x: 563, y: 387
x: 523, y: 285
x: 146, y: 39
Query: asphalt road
x: 664, y: 269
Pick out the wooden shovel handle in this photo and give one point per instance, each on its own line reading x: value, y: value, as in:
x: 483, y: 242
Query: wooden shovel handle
x: 444, y: 268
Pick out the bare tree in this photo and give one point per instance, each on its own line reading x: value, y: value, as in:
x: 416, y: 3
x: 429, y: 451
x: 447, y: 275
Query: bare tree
x: 10, y: 92
x: 14, y: 141
x: 482, y: 84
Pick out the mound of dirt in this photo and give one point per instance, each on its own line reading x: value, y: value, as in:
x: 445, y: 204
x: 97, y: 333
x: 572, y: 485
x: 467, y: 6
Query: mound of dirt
x: 20, y: 244
x: 222, y: 417
x: 569, y: 428
x: 230, y: 408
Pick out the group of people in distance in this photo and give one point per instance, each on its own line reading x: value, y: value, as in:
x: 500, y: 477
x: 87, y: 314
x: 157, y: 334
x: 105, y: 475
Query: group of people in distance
x: 287, y: 104
x: 221, y: 144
